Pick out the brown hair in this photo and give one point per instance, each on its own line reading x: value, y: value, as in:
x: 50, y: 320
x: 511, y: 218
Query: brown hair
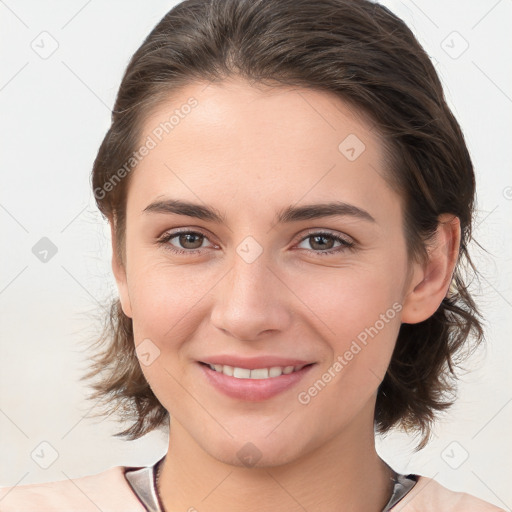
x: 368, y: 57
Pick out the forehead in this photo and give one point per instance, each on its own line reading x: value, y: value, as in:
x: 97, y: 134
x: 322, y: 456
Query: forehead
x: 262, y: 145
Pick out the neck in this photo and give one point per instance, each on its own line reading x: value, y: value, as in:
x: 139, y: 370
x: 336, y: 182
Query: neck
x: 343, y: 474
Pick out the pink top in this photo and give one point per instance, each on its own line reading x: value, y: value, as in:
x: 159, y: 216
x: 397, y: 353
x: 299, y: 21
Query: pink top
x: 131, y: 489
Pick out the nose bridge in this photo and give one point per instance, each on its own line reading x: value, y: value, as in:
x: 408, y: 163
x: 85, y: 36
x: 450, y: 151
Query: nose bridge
x: 249, y: 281
x: 250, y: 299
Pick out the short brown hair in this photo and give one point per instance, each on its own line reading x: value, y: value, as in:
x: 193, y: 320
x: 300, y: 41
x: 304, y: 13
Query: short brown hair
x: 368, y: 57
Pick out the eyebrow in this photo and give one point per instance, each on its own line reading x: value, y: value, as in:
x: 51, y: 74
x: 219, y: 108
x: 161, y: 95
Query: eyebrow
x: 289, y: 214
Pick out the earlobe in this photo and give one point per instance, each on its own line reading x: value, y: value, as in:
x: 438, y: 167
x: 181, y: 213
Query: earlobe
x: 429, y: 283
x: 119, y: 272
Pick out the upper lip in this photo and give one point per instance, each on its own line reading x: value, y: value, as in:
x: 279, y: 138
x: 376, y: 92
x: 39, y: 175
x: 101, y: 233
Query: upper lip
x: 252, y: 363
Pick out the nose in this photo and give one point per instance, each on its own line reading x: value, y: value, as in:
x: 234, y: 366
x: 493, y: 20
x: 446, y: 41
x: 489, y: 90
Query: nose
x: 252, y: 301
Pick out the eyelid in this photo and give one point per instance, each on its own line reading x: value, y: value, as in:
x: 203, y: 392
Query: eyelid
x: 325, y: 231
x: 191, y: 229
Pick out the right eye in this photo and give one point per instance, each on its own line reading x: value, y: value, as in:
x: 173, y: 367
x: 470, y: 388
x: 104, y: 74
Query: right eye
x: 184, y: 238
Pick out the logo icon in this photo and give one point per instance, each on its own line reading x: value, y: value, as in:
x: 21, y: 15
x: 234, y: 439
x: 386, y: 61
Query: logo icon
x: 351, y: 147
x: 249, y: 455
x: 454, y: 45
x: 454, y: 455
x: 44, y: 250
x: 45, y: 45
x: 147, y: 352
x: 44, y: 454
x: 249, y: 249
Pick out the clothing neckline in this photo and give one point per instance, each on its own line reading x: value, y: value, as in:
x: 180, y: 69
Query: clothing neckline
x: 142, y: 480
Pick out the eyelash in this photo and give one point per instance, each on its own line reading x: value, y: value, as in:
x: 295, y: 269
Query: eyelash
x: 345, y: 244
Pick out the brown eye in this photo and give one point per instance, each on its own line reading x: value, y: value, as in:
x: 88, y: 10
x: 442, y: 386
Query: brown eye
x: 187, y: 242
x: 190, y: 240
x: 323, y: 243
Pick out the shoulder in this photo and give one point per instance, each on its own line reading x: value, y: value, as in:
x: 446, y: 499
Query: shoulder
x: 430, y: 496
x: 107, y: 491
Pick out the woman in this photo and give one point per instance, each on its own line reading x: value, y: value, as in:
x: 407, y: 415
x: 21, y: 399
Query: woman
x: 290, y: 202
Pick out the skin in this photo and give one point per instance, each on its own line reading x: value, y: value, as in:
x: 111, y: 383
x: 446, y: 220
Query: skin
x: 250, y: 152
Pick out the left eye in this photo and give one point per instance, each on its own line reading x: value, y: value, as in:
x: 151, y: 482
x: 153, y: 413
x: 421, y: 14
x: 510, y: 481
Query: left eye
x: 318, y: 240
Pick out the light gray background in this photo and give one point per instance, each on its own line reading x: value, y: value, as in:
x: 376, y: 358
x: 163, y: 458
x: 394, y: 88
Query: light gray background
x: 55, y: 110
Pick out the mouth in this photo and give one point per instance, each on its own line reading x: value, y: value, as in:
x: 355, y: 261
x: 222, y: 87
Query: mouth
x: 253, y: 384
x: 256, y: 373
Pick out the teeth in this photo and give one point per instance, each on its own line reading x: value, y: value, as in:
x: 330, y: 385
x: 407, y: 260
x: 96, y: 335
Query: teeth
x: 258, y: 373
x: 275, y: 371
x: 241, y: 373
x: 226, y: 370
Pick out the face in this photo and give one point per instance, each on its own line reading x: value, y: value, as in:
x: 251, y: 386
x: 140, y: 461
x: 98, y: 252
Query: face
x: 274, y: 281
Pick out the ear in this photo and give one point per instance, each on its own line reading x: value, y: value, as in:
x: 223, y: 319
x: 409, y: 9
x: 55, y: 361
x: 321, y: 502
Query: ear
x: 120, y: 275
x: 431, y: 280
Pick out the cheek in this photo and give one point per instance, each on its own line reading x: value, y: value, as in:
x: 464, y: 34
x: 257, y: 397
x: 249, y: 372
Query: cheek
x: 357, y: 313
x: 164, y: 296
x: 166, y: 311
x: 362, y: 335
x: 346, y: 301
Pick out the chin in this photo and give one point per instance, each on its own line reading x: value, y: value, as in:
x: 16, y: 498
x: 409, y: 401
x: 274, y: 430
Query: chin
x: 250, y: 456
x: 256, y: 451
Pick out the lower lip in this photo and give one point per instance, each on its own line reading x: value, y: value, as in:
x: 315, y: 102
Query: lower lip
x: 253, y: 390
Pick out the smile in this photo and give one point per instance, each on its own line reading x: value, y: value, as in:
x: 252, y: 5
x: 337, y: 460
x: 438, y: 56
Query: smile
x: 258, y: 373
x: 255, y: 384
